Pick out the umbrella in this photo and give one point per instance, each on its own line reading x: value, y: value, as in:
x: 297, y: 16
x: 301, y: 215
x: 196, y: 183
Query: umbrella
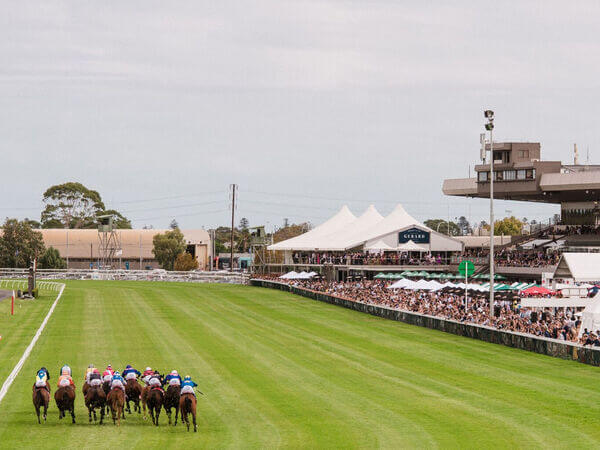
x: 380, y: 275
x: 435, y: 275
x: 536, y: 290
x: 422, y: 273
x: 396, y: 276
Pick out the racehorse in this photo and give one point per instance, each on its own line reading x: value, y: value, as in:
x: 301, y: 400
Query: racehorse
x: 95, y: 398
x: 106, y: 388
x: 172, y: 401
x: 65, y: 400
x: 116, y: 402
x: 133, y: 389
x: 85, y: 388
x: 41, y: 397
x: 144, y: 397
x: 154, y: 402
x: 187, y: 405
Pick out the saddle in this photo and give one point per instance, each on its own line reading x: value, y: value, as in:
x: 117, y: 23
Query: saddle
x: 158, y: 388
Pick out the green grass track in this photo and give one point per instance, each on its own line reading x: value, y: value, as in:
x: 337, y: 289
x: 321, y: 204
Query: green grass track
x: 280, y: 370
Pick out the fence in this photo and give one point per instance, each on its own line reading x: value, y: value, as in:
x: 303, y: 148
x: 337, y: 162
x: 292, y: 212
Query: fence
x: 128, y: 275
x: 545, y: 346
x: 22, y: 284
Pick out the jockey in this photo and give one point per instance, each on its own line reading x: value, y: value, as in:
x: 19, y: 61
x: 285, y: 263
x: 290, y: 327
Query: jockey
x: 147, y: 374
x: 107, y: 374
x: 41, y: 379
x: 187, y: 387
x: 173, y: 379
x: 94, y: 378
x: 88, y: 372
x: 130, y: 373
x: 117, y: 382
x: 67, y: 368
x: 65, y: 378
x: 154, y: 381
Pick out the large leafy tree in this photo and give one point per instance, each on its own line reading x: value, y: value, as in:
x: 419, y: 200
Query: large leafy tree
x: 72, y: 205
x: 508, y: 226
x: 167, y: 246
x: 51, y: 260
x: 19, y: 244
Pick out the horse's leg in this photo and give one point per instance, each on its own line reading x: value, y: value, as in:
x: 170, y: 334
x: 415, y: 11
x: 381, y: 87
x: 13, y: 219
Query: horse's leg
x: 157, y: 415
x: 168, y: 411
x: 176, y: 413
x: 101, y: 415
x: 194, y: 417
x: 73, y: 412
x: 90, y: 413
x: 37, y: 411
x: 45, y: 410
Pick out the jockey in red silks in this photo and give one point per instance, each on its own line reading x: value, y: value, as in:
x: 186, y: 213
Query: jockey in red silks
x: 108, y: 373
x: 65, y: 379
x: 147, y: 374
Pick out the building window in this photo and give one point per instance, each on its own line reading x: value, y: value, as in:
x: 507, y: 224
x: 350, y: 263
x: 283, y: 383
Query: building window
x: 510, y: 175
x: 530, y: 174
x: 482, y: 176
x: 499, y: 175
x: 524, y: 154
x: 521, y: 174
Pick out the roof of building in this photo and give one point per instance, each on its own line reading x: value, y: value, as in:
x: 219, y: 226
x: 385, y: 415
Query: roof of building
x: 584, y: 267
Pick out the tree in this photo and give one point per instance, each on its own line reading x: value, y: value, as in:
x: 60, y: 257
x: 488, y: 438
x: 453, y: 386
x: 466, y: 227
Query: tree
x: 167, y: 246
x: 19, y: 244
x: 509, y: 226
x: 441, y: 226
x: 244, y: 224
x: 51, y: 260
x: 72, y: 205
x: 32, y: 223
x: 173, y: 224
x: 185, y: 262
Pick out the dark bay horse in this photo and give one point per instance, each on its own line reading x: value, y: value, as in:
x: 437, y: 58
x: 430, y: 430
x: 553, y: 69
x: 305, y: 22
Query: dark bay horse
x: 65, y: 400
x: 187, y: 405
x: 154, y: 402
x: 172, y: 401
x: 116, y: 402
x: 41, y: 398
x: 85, y: 388
x: 95, y: 398
x: 133, y: 389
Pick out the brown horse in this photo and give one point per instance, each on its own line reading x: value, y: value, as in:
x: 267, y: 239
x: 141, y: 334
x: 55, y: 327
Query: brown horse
x: 154, y: 402
x: 144, y: 399
x: 106, y: 388
x: 65, y: 400
x: 116, y: 402
x: 41, y: 397
x: 172, y: 401
x: 85, y: 388
x: 133, y: 389
x: 187, y: 405
x: 95, y: 398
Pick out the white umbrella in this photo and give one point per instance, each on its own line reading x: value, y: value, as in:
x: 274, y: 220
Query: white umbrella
x: 289, y: 276
x: 379, y: 246
x: 410, y: 246
x: 402, y: 284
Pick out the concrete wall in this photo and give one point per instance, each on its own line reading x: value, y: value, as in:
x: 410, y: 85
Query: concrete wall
x: 545, y: 346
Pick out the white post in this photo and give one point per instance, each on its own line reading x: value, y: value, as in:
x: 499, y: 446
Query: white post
x: 466, y: 292
x: 491, y: 227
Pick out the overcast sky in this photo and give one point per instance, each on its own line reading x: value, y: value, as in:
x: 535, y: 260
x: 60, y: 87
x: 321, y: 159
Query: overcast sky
x: 306, y: 105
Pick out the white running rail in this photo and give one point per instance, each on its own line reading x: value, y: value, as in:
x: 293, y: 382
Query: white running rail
x: 27, y: 351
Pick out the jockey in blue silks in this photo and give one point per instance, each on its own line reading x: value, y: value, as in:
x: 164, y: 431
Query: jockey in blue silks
x: 173, y: 379
x: 187, y: 386
x: 130, y: 373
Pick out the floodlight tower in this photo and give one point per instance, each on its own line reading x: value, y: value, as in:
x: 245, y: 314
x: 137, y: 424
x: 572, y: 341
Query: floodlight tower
x: 489, y: 126
x: 109, y: 242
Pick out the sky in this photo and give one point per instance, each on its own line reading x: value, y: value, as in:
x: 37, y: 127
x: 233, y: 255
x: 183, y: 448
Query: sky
x: 305, y: 105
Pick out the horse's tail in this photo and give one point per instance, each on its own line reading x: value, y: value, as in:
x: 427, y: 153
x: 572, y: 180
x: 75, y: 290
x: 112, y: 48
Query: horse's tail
x: 39, y: 397
x: 188, y: 403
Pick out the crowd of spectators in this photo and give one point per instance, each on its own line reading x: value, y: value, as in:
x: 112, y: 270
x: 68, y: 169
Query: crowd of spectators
x: 562, y: 324
x: 360, y: 258
x: 517, y: 258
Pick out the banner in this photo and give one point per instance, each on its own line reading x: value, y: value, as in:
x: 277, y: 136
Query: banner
x: 416, y: 235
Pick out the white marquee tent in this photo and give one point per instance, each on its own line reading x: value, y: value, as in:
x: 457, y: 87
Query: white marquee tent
x: 590, y: 318
x: 581, y: 267
x: 344, y: 231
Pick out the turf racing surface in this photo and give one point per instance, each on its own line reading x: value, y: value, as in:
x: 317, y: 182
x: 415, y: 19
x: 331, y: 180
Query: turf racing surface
x: 284, y: 371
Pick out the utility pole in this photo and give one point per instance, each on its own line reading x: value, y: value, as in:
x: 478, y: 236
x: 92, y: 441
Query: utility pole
x: 233, y: 190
